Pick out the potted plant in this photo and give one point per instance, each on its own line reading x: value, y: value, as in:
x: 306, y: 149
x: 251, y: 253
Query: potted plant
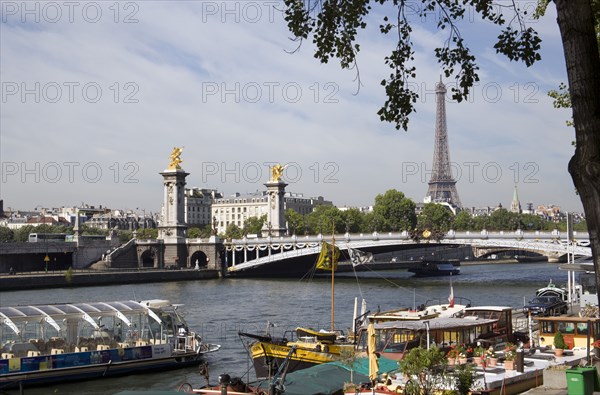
x: 478, y: 354
x: 348, y: 358
x: 452, y: 355
x: 559, y: 344
x: 510, y: 353
x: 462, y: 354
x: 491, y: 356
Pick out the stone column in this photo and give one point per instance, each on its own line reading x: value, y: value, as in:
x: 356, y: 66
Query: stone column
x: 275, y: 225
x: 173, y: 229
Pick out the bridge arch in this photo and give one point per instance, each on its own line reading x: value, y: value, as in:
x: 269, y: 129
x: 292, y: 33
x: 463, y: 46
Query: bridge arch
x: 200, y: 258
x: 148, y: 258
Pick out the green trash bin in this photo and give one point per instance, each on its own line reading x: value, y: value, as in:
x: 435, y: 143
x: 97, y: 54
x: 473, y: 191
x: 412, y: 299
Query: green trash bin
x: 581, y: 380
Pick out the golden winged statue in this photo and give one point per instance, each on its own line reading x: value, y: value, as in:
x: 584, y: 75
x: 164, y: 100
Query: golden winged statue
x: 277, y: 172
x: 175, y: 158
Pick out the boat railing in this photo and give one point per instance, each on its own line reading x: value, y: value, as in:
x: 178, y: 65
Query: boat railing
x: 190, y: 342
x: 440, y: 301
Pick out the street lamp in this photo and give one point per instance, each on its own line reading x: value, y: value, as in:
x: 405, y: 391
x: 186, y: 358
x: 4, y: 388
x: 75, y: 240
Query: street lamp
x: 427, y: 328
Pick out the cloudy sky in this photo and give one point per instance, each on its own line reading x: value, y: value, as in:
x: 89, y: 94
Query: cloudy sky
x: 95, y: 95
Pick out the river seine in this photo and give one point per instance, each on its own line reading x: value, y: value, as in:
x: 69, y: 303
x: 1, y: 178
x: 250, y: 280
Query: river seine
x: 218, y: 309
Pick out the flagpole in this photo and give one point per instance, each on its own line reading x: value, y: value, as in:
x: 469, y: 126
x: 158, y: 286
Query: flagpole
x: 332, y: 275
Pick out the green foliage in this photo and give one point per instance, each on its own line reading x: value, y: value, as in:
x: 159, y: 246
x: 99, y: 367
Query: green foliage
x: 254, y: 225
x: 559, y: 341
x: 125, y: 236
x: 425, y: 367
x: 464, y: 377
x: 69, y: 275
x: 581, y: 226
x: 295, y: 222
x: 354, y: 220
x: 6, y: 234
x: 200, y: 233
x: 394, y: 212
x: 348, y: 356
x: 463, y: 221
x: 147, y: 233
x: 322, y: 218
x: 510, y: 351
x: 502, y: 219
x: 22, y: 234
x: 86, y: 230
x: 435, y: 217
x: 334, y: 25
x: 233, y: 232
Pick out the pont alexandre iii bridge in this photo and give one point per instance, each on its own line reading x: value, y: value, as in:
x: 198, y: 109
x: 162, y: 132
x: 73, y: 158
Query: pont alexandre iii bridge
x: 295, y: 255
x: 272, y: 256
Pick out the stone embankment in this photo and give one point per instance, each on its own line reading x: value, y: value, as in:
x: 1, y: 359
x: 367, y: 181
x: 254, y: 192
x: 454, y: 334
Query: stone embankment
x: 79, y: 278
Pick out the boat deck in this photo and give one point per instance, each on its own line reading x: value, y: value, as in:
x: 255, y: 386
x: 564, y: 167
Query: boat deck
x: 499, y: 380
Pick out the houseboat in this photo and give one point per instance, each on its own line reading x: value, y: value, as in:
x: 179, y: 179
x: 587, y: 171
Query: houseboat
x: 578, y: 332
x: 42, y: 344
x: 488, y: 324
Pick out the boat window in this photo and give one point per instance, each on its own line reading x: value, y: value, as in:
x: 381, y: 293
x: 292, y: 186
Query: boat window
x: 582, y: 328
x: 566, y: 327
x: 548, y: 327
x: 569, y: 327
x: 450, y: 338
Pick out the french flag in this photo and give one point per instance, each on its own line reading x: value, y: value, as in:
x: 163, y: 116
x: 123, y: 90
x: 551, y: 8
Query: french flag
x: 451, y: 297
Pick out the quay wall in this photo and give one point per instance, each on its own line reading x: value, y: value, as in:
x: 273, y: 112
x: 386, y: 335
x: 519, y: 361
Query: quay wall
x: 83, y: 279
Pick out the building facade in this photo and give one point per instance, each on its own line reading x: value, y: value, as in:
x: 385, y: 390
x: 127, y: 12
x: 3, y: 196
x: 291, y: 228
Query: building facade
x: 198, y: 206
x: 236, y: 209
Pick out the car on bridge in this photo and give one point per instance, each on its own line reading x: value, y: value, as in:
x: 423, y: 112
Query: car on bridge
x: 546, y: 306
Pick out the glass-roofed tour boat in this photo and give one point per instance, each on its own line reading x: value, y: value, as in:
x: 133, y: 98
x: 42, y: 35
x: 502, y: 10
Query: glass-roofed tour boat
x: 42, y: 344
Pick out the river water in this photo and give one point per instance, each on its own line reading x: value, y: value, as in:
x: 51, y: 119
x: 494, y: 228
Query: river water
x: 220, y: 308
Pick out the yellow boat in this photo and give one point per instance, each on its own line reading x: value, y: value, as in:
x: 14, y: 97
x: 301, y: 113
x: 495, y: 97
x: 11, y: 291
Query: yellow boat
x: 310, y: 348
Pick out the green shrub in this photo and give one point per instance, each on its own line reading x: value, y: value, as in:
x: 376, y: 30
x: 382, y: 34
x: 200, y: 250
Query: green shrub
x: 69, y: 275
x: 559, y: 341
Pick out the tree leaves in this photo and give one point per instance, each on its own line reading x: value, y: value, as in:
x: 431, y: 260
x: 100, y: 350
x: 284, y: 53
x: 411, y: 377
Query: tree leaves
x: 334, y: 26
x: 519, y: 45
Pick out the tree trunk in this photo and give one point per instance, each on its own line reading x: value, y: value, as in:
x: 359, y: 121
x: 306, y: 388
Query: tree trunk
x: 576, y: 23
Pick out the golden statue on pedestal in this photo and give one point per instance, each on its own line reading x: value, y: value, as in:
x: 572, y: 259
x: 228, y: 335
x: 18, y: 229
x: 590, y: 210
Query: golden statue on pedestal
x: 175, y: 158
x: 277, y: 172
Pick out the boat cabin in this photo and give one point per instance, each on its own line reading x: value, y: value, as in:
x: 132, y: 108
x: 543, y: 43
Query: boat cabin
x: 80, y: 327
x: 576, y: 330
x: 394, y: 338
x: 502, y: 329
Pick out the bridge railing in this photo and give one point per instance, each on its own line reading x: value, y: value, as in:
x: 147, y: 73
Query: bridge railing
x: 578, y: 237
x: 250, y: 252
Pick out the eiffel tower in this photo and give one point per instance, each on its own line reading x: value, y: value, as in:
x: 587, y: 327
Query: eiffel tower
x: 442, y: 187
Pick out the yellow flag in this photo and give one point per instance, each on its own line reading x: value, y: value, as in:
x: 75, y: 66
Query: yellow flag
x: 324, y: 262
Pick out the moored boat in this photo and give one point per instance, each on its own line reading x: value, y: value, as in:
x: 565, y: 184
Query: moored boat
x: 436, y: 268
x: 299, y: 352
x: 553, y: 290
x: 488, y: 324
x: 42, y: 344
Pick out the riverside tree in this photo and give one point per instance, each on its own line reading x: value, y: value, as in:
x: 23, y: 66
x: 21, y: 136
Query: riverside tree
x: 393, y: 211
x: 333, y: 26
